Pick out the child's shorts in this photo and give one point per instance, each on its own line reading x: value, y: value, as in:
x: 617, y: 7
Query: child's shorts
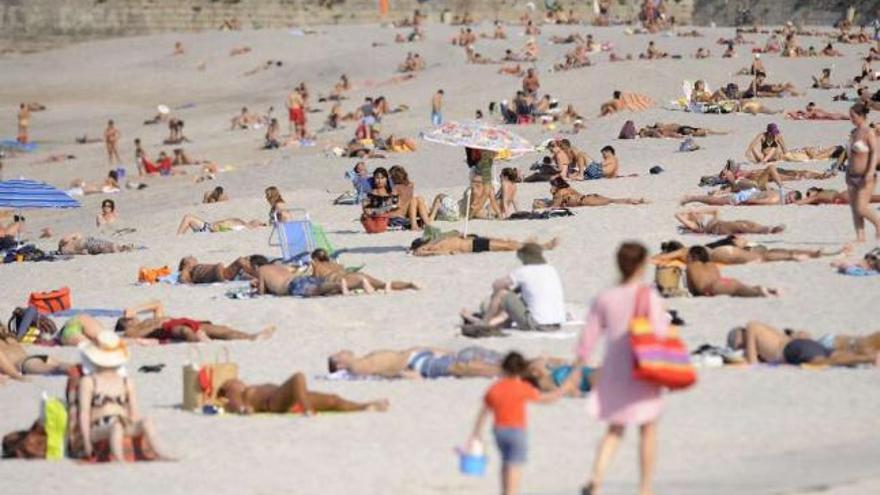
x: 512, y: 444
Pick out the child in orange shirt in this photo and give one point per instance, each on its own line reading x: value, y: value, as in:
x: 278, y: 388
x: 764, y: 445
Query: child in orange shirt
x: 507, y: 400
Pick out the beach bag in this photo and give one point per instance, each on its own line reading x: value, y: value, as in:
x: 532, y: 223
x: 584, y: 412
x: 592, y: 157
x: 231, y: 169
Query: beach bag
x: 50, y: 302
x: 375, y: 224
x: 202, y: 381
x: 30, y: 327
x: 628, y: 131
x: 152, y: 275
x: 668, y: 280
x: 662, y: 361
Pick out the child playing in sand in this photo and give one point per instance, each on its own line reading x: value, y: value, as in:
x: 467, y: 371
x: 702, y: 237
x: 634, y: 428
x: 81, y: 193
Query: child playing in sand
x: 507, y: 400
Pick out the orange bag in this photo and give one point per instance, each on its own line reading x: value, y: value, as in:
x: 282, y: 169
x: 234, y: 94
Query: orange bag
x: 50, y: 302
x: 375, y: 224
x: 152, y: 275
x: 663, y: 361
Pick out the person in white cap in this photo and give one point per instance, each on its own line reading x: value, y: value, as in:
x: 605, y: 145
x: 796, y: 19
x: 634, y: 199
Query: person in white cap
x: 107, y: 401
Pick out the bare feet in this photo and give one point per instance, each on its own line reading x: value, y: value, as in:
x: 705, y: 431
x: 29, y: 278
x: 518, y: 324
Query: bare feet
x: 379, y: 405
x: 265, y: 333
x: 777, y: 229
x: 770, y: 292
x: 552, y: 244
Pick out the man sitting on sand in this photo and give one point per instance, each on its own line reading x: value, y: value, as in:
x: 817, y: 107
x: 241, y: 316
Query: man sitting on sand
x: 161, y: 328
x: 193, y: 272
x: 292, y: 396
x: 15, y: 362
x: 764, y: 343
x: 704, y: 278
x: 529, y: 298
x: 419, y: 362
x: 79, y: 244
x: 190, y: 223
x: 433, y: 243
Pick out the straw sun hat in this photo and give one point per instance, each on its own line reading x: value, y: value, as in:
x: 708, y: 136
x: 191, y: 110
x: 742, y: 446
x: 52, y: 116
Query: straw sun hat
x: 108, y: 352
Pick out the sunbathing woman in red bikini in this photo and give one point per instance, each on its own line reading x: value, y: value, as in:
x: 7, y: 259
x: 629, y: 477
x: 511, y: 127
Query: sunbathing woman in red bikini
x: 160, y: 328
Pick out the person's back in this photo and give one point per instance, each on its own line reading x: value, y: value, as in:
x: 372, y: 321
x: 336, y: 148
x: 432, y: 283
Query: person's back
x: 701, y: 276
x: 541, y: 290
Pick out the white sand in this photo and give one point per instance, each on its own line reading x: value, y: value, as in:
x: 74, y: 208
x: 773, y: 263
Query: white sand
x: 753, y: 431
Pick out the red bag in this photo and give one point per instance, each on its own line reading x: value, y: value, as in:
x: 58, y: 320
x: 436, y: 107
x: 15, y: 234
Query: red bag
x: 375, y: 224
x: 50, y: 302
x: 663, y: 361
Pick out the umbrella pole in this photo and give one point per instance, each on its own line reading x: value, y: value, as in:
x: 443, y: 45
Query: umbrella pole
x: 467, y: 210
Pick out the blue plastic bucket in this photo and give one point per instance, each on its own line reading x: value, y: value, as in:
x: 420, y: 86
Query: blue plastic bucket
x: 472, y: 465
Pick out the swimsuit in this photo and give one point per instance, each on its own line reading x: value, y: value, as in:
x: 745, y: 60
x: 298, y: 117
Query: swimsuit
x: 593, y: 171
x: 429, y: 365
x: 206, y: 227
x: 480, y: 244
x: 40, y: 357
x: 304, y: 286
x: 93, y: 245
x: 743, y: 196
x: 800, y: 351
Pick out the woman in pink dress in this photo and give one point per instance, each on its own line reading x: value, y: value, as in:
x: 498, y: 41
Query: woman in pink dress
x: 619, y: 399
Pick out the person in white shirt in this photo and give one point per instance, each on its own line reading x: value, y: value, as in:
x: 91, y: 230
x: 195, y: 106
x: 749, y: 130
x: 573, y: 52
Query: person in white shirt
x: 529, y: 298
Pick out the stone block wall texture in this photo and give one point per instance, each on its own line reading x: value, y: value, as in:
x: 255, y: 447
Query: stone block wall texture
x: 35, y: 20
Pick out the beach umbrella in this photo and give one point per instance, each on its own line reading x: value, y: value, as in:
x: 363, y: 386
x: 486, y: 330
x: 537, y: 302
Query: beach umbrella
x: 22, y: 194
x: 481, y: 136
x: 478, y: 135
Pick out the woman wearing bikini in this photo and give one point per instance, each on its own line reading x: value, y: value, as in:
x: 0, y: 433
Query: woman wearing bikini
x: 696, y: 222
x: 565, y: 196
x: 861, y: 171
x: 767, y: 146
x: 107, y: 402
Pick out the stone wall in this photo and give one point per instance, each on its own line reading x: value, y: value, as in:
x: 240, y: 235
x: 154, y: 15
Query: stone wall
x: 775, y: 12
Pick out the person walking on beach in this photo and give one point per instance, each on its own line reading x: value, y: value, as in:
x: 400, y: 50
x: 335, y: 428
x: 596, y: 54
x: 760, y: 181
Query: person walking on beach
x: 507, y: 399
x: 620, y: 399
x: 437, y: 108
x: 111, y: 139
x: 24, y: 121
x: 861, y: 171
x: 296, y: 113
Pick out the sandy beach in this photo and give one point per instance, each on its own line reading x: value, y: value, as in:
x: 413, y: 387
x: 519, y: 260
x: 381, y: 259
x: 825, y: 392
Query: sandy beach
x: 755, y: 430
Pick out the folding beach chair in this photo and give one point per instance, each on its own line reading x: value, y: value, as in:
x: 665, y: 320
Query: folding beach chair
x: 298, y: 238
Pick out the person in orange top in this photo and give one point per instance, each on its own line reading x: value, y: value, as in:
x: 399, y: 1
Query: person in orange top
x: 507, y: 399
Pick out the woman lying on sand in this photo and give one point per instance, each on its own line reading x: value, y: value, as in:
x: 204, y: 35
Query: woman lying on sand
x: 292, y: 396
x: 216, y: 195
x: 195, y: 224
x: 736, y: 250
x: 325, y: 268
x: 193, y: 272
x: 15, y: 362
x: 704, y: 278
x: 79, y: 244
x: 868, y: 265
x: 565, y: 196
x: 812, y: 112
x: 661, y: 130
x: 734, y: 178
x: 109, y: 186
x: 435, y: 243
x: 820, y: 196
x: 764, y: 343
x: 746, y: 197
x: 696, y: 222
x: 158, y: 327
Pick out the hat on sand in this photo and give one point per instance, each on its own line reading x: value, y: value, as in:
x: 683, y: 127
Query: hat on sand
x: 772, y: 129
x: 163, y: 109
x: 108, y: 352
x: 531, y: 254
x: 733, y: 337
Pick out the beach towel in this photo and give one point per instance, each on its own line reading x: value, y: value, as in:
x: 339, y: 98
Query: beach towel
x: 13, y: 144
x: 637, y: 102
x: 857, y: 271
x: 96, y: 312
x: 345, y: 375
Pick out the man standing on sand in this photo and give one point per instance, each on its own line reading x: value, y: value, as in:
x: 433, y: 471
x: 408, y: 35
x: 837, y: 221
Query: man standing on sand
x: 111, y: 138
x: 24, y: 120
x: 437, y: 108
x: 530, y: 83
x: 296, y: 113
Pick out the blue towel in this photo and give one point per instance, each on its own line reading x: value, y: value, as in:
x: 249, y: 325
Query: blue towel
x: 857, y: 271
x: 96, y: 312
x: 15, y: 145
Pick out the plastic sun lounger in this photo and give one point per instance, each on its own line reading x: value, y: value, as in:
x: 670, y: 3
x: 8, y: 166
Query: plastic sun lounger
x: 298, y: 238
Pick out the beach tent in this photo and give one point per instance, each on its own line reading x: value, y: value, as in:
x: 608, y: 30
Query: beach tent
x: 22, y: 194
